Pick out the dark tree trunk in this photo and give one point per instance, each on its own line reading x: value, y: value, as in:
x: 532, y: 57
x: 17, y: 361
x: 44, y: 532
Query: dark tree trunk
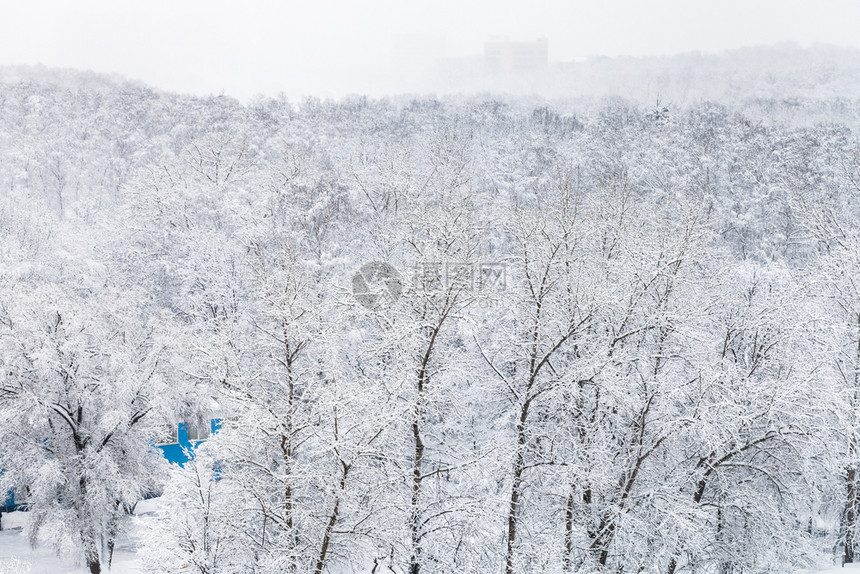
x: 513, y: 514
x: 331, y: 524
x: 851, y: 478
x: 568, y: 531
x: 415, y: 518
x: 850, y: 516
x: 516, y: 488
x: 422, y: 381
x: 88, y: 535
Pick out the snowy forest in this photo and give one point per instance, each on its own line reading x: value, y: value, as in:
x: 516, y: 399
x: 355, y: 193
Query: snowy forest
x: 460, y: 334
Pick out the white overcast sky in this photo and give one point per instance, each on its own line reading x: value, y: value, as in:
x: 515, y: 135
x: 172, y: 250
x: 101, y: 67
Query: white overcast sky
x: 331, y: 47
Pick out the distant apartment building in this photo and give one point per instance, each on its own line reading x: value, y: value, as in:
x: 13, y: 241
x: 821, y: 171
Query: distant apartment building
x: 503, y: 57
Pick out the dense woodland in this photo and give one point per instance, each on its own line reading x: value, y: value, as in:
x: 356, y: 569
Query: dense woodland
x: 620, y: 338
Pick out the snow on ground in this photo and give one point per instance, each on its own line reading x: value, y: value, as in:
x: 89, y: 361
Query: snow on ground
x: 17, y: 557
x: 847, y: 569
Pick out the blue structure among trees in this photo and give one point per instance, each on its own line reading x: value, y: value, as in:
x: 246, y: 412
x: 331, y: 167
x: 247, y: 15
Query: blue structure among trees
x: 183, y: 438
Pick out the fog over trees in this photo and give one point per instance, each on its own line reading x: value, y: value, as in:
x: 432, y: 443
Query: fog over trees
x: 458, y: 334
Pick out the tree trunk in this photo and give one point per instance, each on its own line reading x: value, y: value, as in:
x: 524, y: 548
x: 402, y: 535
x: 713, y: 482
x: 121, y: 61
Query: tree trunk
x: 851, y: 478
x: 88, y: 535
x: 422, y: 380
x: 568, y: 532
x: 331, y: 523
x: 516, y: 489
x: 513, y: 514
x: 850, y: 516
x: 91, y: 553
x: 415, y: 518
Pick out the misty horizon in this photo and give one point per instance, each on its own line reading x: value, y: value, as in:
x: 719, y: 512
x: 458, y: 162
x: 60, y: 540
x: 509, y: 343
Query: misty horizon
x: 335, y: 49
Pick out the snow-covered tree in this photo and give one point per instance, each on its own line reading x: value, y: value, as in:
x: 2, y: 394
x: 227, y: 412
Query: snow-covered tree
x: 85, y: 381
